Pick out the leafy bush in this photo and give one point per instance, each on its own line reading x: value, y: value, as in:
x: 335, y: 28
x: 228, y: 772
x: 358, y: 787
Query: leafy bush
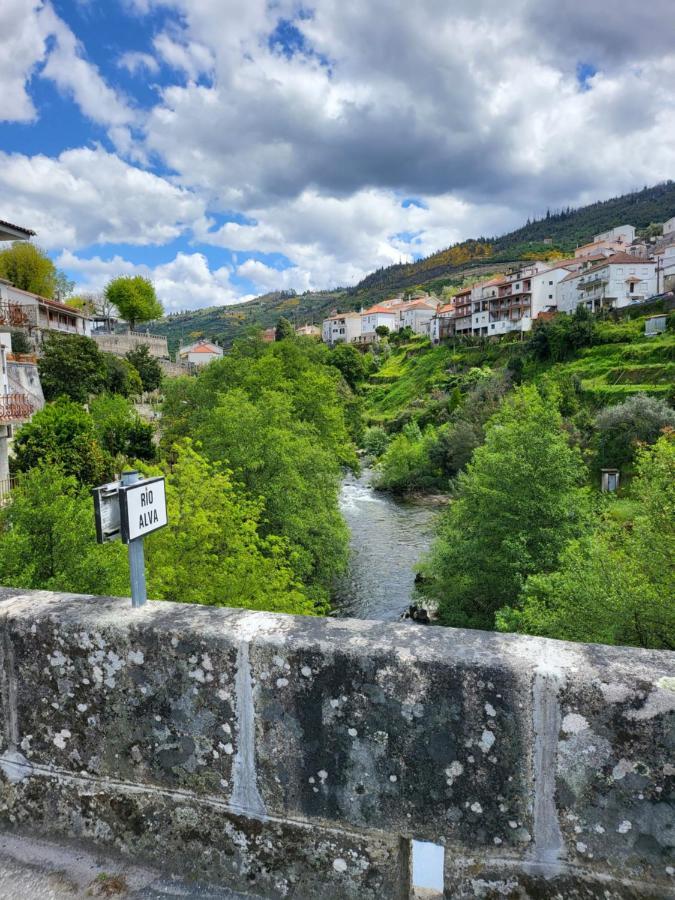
x: 622, y: 428
x: 63, y: 435
x: 375, y: 440
x: 120, y: 429
x: 562, y: 336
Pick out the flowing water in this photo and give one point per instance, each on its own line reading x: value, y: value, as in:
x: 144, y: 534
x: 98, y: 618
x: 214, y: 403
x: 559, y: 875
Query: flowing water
x: 388, y: 537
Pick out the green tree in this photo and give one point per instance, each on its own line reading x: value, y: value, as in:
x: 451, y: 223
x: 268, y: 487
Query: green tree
x: 275, y: 415
x: 120, y: 429
x: 63, y: 434
x: 72, y: 365
x: 562, y: 336
x: 347, y: 359
x: 212, y: 551
x: 620, y: 429
x: 615, y: 585
x: 29, y: 269
x: 47, y: 538
x: 518, y: 504
x: 147, y: 366
x: 121, y: 377
x: 135, y: 299
x: 382, y: 331
x: 284, y: 330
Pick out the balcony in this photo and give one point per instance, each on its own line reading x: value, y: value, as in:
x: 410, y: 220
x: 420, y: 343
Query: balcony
x: 13, y: 315
x: 15, y: 408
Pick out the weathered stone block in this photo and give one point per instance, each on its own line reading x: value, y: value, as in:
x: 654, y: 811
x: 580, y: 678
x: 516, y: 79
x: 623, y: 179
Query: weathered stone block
x: 494, y: 877
x: 409, y: 736
x: 184, y: 834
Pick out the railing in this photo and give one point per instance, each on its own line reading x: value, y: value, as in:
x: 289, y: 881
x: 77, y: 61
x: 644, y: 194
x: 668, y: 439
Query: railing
x: 14, y: 315
x: 15, y: 408
x: 6, y: 485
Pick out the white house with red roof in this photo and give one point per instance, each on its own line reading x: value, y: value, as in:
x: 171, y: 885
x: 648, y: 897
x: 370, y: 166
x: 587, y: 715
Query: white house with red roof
x: 418, y: 315
x: 615, y: 282
x: 380, y: 315
x: 200, y: 353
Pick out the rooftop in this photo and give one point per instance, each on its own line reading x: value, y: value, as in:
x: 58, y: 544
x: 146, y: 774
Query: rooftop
x: 10, y: 232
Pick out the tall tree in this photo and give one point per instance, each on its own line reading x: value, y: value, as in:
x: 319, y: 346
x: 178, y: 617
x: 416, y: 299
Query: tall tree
x: 135, y: 299
x: 47, y: 538
x: 616, y: 584
x: 147, y: 366
x: 519, y: 502
x: 213, y: 551
x: 30, y: 269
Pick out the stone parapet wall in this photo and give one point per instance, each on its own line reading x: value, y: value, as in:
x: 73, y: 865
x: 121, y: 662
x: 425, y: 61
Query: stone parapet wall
x: 121, y: 344
x: 298, y: 757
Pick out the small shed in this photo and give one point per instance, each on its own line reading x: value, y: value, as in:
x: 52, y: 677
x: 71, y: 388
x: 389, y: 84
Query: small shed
x: 655, y: 325
x: 609, y: 480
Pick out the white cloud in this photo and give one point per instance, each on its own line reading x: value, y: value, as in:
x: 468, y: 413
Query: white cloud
x: 185, y: 282
x: 74, y: 75
x: 22, y: 48
x: 474, y: 107
x: 134, y: 61
x: 190, y: 57
x: 90, y: 196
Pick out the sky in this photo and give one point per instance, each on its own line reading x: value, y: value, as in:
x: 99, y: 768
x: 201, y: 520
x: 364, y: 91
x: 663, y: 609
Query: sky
x: 225, y: 148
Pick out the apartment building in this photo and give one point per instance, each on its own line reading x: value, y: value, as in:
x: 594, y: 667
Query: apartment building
x: 615, y: 282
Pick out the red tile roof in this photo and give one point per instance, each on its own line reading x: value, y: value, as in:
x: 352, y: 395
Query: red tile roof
x: 387, y: 310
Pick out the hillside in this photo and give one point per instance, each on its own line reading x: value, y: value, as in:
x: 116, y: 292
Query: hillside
x: 556, y: 233
x: 415, y: 378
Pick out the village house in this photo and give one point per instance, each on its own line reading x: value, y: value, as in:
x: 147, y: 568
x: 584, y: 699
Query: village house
x: 36, y: 315
x: 616, y: 240
x: 380, y: 316
x: 341, y: 328
x: 417, y: 315
x: 200, y: 353
x: 665, y: 268
x: 443, y: 323
x: 308, y: 331
x: 613, y: 283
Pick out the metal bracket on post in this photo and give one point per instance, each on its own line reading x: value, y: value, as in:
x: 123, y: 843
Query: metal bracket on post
x: 139, y: 596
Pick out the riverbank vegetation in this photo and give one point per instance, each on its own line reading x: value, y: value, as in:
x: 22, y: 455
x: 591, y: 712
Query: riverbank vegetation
x: 517, y: 433
x: 253, y: 449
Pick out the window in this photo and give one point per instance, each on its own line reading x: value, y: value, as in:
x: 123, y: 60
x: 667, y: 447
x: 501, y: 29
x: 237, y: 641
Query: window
x: 550, y: 283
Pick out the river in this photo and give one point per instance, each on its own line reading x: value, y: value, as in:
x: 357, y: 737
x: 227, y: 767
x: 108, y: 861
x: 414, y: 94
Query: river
x: 388, y: 537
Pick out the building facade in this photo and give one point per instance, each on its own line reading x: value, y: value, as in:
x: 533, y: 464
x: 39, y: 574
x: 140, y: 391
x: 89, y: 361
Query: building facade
x: 341, y: 328
x: 616, y: 282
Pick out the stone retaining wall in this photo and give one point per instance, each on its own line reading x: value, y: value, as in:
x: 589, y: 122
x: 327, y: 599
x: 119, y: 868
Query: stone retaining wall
x: 298, y: 757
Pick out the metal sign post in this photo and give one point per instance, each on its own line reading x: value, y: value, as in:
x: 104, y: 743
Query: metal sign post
x: 139, y: 594
x: 128, y: 510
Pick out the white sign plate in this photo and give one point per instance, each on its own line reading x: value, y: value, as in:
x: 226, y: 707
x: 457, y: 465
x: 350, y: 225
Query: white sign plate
x: 142, y: 508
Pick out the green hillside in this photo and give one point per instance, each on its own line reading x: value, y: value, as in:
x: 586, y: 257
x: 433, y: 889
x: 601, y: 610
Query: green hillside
x: 415, y: 377
x: 556, y: 233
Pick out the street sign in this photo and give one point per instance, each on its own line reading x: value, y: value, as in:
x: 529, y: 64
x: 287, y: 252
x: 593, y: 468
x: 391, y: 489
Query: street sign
x: 129, y: 509
x: 107, y: 512
x: 142, y: 508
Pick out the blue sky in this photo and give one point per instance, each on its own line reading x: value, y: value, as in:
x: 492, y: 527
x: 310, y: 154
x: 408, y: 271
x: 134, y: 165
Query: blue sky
x: 225, y: 148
